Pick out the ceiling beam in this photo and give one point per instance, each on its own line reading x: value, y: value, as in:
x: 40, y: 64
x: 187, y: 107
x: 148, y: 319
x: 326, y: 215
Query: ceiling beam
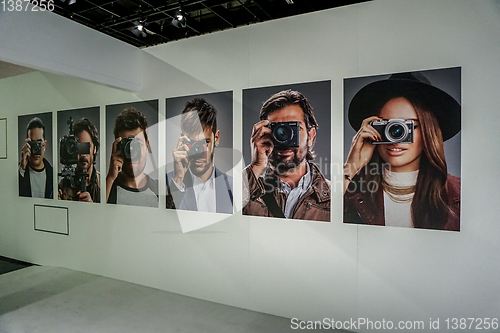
x: 217, y: 11
x: 248, y: 10
x: 262, y: 9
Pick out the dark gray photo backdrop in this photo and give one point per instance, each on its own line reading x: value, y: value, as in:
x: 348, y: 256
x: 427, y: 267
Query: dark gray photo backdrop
x: 92, y: 114
x: 448, y: 80
x: 150, y: 110
x: 318, y: 95
x: 22, y: 124
x: 223, y: 103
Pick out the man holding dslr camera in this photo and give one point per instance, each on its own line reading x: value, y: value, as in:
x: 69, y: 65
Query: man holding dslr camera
x: 35, y: 172
x: 196, y: 184
x: 84, y: 182
x: 282, y: 180
x: 126, y: 182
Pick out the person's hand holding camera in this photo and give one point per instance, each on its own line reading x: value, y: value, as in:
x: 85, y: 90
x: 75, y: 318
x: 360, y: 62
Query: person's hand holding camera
x: 80, y: 196
x: 261, y: 145
x: 84, y: 196
x: 116, y: 162
x: 361, y: 149
x: 181, y: 160
x: 115, y: 166
x: 25, y: 154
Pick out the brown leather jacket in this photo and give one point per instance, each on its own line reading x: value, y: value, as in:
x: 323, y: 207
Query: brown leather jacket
x: 358, y: 210
x: 313, y: 205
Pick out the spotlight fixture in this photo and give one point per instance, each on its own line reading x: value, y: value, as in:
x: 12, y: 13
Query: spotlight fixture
x: 139, y: 28
x: 180, y: 19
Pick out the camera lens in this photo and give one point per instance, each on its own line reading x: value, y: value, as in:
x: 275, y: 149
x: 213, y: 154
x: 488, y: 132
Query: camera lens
x: 71, y: 147
x: 127, y: 151
x: 282, y: 133
x: 196, y: 150
x: 396, y: 131
x: 133, y: 148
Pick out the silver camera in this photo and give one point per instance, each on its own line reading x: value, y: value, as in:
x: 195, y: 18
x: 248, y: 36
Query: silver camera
x: 394, y: 130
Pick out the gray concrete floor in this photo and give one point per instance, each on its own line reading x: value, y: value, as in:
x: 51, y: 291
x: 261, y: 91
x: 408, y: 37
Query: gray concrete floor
x: 48, y: 299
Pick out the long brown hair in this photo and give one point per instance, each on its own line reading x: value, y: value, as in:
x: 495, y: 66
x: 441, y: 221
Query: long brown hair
x: 430, y: 206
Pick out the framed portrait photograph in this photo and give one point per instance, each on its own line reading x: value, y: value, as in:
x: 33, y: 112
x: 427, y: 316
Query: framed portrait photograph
x: 35, y: 171
x: 199, y: 150
x: 79, y: 143
x: 286, y: 149
x: 132, y: 153
x: 402, y: 149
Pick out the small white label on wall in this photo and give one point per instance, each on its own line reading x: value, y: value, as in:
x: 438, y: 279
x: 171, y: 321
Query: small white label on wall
x: 52, y: 219
x: 3, y: 138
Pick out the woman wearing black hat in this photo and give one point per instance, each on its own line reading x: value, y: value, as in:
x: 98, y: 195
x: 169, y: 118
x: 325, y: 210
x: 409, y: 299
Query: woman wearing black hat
x: 402, y: 183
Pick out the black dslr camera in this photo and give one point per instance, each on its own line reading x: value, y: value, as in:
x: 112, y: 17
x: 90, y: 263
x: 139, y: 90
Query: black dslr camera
x: 130, y: 147
x: 285, y: 134
x: 36, y: 147
x: 69, y: 149
x: 394, y: 130
x: 196, y: 148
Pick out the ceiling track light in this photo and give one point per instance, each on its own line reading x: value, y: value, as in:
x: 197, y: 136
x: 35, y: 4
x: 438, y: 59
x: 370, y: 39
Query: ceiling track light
x: 140, y: 29
x: 180, y: 19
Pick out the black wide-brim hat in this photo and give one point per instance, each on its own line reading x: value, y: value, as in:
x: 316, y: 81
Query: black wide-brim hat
x: 371, y: 98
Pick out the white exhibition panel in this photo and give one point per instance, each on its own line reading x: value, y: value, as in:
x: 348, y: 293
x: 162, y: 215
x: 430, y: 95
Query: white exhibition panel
x: 308, y: 270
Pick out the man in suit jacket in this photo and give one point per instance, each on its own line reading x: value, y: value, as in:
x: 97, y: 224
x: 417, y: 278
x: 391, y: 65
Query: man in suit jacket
x: 196, y: 184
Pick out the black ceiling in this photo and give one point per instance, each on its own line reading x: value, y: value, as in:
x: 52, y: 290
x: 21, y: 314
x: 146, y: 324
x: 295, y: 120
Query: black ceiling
x: 119, y: 18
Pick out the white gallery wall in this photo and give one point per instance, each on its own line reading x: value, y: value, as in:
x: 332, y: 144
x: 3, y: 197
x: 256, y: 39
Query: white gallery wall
x: 48, y: 42
x: 301, y: 269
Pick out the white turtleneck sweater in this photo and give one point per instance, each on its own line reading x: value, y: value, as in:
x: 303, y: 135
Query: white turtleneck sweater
x: 398, y: 214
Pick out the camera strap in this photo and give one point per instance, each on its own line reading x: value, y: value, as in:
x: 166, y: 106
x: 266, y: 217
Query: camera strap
x: 272, y: 205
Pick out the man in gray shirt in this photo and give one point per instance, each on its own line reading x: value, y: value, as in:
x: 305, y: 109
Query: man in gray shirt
x: 126, y: 182
x: 35, y: 172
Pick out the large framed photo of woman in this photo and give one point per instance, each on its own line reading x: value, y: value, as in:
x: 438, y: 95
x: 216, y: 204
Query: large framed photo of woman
x: 402, y: 149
